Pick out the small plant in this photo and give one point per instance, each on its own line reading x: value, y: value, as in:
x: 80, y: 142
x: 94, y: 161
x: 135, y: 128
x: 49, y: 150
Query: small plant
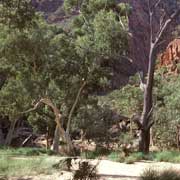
x: 150, y: 174
x: 85, y: 172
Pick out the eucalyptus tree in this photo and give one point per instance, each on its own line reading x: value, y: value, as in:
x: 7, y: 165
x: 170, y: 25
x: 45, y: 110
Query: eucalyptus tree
x: 167, y: 15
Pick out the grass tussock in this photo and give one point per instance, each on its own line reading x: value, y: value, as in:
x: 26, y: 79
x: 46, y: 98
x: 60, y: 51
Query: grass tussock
x: 151, y: 174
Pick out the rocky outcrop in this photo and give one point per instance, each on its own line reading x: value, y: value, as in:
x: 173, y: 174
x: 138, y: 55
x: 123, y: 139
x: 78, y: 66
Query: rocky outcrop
x: 171, y: 57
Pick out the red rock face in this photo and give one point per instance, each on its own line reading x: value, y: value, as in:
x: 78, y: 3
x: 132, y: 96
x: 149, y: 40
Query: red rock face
x: 171, y: 57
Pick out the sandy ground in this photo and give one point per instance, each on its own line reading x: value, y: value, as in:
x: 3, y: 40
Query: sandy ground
x: 108, y: 170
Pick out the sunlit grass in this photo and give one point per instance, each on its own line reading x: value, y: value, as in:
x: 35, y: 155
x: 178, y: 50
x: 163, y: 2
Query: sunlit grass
x: 21, y: 166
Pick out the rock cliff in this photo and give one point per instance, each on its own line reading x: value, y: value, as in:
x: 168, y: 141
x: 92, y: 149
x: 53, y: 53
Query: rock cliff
x: 170, y: 58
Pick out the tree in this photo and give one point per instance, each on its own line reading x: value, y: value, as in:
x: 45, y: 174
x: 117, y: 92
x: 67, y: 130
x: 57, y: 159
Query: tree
x: 166, y: 17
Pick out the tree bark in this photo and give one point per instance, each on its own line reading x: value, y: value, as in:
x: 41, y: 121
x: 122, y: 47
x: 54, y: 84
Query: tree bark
x: 147, y: 108
x: 2, y: 140
x: 56, y: 140
x: 74, y: 106
x: 65, y: 136
x: 9, y: 136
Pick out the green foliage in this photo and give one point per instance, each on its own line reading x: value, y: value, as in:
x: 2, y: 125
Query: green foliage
x: 69, y: 5
x: 124, y: 8
x: 17, y: 14
x: 92, y: 117
x: 168, y: 156
x: 127, y: 100
x: 166, y: 113
x: 110, y: 37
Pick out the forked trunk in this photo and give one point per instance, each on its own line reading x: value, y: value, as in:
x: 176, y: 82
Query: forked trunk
x: 65, y: 136
x: 146, y: 121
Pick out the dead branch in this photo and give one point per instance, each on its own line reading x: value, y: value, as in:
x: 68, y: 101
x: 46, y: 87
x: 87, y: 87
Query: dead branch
x: 165, y: 25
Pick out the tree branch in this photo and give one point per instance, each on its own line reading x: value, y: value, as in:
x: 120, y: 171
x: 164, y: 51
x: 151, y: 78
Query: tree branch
x: 34, y: 108
x: 156, y: 4
x: 163, y: 28
x: 74, y: 106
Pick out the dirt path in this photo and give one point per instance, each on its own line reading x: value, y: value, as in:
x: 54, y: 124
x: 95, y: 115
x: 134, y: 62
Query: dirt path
x: 108, y: 170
